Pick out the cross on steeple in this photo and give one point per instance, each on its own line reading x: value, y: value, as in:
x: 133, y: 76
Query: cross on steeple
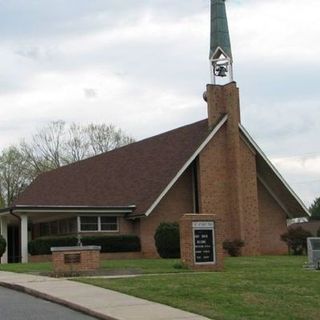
x: 220, y: 45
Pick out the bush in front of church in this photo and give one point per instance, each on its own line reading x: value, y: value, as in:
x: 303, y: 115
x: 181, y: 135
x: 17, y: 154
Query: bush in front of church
x: 167, y: 240
x: 3, y: 246
x: 233, y: 247
x: 296, y: 239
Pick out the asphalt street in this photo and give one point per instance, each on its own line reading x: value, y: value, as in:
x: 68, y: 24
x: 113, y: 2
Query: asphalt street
x: 19, y: 306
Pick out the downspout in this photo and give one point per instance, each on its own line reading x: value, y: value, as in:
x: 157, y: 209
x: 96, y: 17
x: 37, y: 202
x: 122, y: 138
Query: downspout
x: 14, y: 215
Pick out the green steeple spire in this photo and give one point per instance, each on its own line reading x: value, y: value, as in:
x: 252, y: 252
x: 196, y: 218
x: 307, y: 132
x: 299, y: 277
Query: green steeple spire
x: 220, y: 37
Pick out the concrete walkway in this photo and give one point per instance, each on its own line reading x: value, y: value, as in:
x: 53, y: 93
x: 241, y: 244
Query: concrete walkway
x: 94, y: 301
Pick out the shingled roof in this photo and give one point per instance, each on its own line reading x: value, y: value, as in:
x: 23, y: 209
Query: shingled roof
x: 135, y: 174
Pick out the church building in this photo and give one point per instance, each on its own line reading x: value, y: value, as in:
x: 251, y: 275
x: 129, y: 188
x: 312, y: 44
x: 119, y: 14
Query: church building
x: 210, y: 166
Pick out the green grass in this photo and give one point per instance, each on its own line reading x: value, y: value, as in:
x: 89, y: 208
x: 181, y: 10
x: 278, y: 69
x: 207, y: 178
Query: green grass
x: 272, y: 288
x: 27, y: 267
x: 146, y: 266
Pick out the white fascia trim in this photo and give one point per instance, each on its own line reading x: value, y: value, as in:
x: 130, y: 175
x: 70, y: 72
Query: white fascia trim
x: 187, y: 164
x: 70, y: 211
x: 276, y: 172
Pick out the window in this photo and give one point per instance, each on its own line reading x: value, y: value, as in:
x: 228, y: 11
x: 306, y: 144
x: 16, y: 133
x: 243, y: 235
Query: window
x: 89, y: 224
x: 109, y: 223
x: 52, y: 228
x: 98, y: 223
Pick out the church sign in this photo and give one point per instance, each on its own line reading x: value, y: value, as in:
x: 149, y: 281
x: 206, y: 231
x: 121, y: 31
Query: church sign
x: 204, y: 242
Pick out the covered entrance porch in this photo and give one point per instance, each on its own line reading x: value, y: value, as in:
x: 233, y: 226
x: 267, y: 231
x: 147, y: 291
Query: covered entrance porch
x: 21, y: 224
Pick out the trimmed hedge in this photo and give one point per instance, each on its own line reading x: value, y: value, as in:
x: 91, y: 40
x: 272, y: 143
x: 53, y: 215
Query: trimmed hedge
x: 125, y: 243
x: 167, y: 240
x: 42, y: 245
x: 116, y: 243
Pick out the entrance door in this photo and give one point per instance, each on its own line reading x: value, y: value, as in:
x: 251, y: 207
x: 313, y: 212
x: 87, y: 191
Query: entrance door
x: 14, y: 254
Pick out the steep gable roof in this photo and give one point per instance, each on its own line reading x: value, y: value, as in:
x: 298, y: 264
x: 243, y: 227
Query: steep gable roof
x: 276, y: 185
x: 132, y: 175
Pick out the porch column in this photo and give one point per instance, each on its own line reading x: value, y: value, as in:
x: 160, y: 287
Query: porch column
x: 24, y: 238
x: 4, y: 233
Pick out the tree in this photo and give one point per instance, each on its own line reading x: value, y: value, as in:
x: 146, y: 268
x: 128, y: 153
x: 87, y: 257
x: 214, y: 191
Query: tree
x: 104, y: 137
x: 14, y: 174
x: 296, y: 239
x: 51, y: 147
x: 315, y: 209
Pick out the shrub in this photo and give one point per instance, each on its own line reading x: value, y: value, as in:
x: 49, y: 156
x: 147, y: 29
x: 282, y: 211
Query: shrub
x: 167, y: 240
x: 3, y: 246
x: 42, y: 245
x: 108, y: 243
x: 233, y: 247
x: 318, y: 232
x: 296, y: 239
x: 126, y: 243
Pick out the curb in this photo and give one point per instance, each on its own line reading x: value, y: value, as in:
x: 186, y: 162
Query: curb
x: 44, y: 296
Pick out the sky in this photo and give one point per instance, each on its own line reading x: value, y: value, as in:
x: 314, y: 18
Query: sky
x: 142, y: 65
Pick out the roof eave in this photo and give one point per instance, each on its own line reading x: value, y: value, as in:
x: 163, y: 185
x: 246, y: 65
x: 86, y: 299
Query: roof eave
x: 68, y: 208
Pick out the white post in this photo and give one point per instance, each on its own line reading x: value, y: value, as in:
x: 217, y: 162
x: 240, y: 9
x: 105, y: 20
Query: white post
x: 4, y: 233
x: 24, y: 238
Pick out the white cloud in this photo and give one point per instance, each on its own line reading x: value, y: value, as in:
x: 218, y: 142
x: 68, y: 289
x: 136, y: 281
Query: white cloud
x: 144, y: 68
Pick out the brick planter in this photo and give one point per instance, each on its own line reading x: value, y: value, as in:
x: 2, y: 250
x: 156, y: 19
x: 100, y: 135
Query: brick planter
x: 75, y: 259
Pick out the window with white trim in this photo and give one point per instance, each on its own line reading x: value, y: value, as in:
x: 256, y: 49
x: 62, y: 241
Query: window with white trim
x: 99, y: 223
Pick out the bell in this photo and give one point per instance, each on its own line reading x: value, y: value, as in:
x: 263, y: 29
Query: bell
x: 221, y: 71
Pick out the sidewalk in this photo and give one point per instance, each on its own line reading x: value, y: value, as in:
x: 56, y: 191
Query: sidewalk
x: 94, y: 301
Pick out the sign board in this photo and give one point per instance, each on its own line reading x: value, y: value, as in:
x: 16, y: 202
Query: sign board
x: 71, y: 258
x: 204, y: 242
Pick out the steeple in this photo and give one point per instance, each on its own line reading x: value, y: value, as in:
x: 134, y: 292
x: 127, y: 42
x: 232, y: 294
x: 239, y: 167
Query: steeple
x: 220, y: 46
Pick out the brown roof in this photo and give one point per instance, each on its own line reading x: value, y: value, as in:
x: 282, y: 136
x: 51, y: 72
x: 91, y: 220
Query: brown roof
x: 132, y: 175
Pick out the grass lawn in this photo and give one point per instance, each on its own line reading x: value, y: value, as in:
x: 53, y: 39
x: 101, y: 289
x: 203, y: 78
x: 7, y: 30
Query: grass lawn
x: 113, y: 266
x: 272, y: 288
x: 27, y: 267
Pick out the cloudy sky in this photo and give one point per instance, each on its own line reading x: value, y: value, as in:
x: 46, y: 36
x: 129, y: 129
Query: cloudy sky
x: 143, y: 66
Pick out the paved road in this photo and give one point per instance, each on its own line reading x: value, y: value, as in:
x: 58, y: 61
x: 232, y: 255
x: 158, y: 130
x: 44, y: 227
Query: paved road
x: 19, y: 306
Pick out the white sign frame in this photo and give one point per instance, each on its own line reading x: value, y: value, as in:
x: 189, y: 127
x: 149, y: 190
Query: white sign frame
x: 204, y: 225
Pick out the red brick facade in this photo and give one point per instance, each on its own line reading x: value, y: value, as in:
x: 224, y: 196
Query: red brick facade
x: 177, y: 201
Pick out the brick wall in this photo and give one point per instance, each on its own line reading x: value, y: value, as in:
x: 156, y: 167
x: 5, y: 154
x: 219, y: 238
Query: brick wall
x: 89, y: 261
x: 170, y: 209
x: 219, y: 163
x: 250, y: 206
x: 213, y: 183
x: 272, y: 223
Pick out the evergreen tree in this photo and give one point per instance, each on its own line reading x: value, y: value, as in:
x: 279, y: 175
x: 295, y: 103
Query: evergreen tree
x: 315, y: 209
